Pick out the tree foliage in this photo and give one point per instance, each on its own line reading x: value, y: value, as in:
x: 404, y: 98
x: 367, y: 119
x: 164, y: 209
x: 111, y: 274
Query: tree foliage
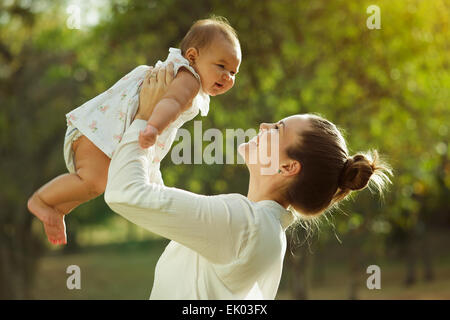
x: 387, y: 89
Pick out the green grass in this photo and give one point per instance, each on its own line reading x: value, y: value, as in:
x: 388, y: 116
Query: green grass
x: 107, y: 272
x: 125, y: 271
x: 336, y: 284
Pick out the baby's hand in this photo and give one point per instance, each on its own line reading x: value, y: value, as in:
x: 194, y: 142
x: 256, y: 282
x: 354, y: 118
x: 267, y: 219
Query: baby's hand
x: 147, y: 138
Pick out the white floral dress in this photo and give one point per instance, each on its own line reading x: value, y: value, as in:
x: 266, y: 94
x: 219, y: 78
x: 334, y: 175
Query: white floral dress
x: 104, y: 119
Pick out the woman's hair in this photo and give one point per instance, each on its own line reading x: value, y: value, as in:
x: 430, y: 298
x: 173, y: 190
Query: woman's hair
x: 203, y: 32
x: 328, y: 173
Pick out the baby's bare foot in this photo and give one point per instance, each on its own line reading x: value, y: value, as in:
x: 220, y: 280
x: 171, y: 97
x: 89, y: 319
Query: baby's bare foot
x: 40, y: 209
x: 56, y: 230
x: 53, y: 220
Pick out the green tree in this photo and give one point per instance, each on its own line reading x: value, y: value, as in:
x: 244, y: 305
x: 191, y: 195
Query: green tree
x: 387, y: 88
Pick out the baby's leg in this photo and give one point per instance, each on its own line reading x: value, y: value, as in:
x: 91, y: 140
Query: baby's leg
x: 60, y: 229
x: 58, y: 197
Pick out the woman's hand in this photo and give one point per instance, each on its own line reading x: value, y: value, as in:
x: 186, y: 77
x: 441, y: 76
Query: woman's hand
x: 153, y: 89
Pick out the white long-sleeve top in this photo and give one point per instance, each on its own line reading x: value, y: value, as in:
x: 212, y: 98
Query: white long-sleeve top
x: 223, y: 247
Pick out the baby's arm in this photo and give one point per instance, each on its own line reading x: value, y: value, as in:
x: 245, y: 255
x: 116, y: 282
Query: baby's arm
x: 178, y: 98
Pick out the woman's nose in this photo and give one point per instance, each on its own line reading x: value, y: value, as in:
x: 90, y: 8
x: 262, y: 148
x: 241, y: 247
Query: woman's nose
x: 267, y: 126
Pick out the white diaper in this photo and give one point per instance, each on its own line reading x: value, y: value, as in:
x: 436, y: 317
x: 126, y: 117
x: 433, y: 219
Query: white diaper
x: 72, y: 134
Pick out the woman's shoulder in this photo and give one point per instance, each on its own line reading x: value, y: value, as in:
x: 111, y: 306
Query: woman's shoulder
x: 234, y: 203
x: 262, y: 216
x: 236, y: 198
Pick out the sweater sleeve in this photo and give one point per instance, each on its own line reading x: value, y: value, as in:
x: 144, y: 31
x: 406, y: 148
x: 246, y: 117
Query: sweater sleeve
x: 217, y: 227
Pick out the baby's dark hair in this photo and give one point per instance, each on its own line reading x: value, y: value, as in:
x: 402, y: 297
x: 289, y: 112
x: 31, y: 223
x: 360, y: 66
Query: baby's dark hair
x: 203, y: 32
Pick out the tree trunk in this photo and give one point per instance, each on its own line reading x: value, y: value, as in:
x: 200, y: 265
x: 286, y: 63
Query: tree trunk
x: 355, y: 271
x: 427, y: 259
x: 319, y: 266
x: 19, y: 252
x: 425, y: 252
x: 410, y: 259
x: 297, y: 261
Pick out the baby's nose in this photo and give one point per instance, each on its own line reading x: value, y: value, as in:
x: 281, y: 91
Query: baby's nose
x: 226, y: 76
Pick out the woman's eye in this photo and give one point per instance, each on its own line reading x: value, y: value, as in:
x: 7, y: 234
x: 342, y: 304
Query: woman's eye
x: 221, y: 65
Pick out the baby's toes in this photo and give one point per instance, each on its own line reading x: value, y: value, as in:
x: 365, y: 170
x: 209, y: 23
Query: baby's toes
x: 56, y: 230
x: 52, y: 233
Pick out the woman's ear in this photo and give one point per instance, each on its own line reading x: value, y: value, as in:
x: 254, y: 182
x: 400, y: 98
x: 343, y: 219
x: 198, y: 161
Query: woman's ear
x: 192, y: 55
x: 292, y: 168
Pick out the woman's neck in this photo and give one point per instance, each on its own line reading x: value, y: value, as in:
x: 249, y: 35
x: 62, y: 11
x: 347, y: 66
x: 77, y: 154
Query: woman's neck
x: 263, y: 188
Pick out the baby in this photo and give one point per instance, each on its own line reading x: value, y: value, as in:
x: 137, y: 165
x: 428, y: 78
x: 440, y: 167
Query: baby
x: 205, y: 65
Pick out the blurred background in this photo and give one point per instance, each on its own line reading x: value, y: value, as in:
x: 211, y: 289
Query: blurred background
x: 387, y: 88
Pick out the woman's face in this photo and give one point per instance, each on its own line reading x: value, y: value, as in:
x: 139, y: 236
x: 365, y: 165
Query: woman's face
x: 266, y: 152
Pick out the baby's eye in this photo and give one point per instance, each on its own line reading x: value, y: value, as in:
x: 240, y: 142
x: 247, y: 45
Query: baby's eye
x: 221, y: 65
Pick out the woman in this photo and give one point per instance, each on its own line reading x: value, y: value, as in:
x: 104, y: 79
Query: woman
x: 230, y: 246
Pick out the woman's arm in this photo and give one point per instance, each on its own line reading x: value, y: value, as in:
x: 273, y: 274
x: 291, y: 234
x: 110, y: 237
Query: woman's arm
x: 214, y: 226
x: 152, y: 91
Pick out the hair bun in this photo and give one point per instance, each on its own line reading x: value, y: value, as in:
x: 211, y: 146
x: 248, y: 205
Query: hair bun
x: 356, y: 173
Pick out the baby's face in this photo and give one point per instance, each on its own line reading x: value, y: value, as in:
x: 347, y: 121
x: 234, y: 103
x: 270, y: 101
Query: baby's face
x: 218, y: 65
